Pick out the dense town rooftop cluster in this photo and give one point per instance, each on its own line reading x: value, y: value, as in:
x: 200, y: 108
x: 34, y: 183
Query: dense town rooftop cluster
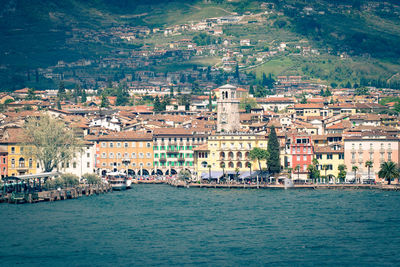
x: 335, y: 128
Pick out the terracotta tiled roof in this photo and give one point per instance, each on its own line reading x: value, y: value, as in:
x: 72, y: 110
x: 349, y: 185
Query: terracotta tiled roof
x: 201, y: 148
x: 122, y: 136
x: 13, y: 135
x: 307, y: 106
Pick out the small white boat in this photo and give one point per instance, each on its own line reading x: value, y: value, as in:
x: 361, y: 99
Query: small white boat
x: 118, y: 180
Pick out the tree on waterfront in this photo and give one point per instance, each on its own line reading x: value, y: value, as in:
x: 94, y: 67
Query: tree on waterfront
x: 325, y: 168
x: 297, y: 168
x: 355, y: 169
x: 69, y: 179
x: 388, y: 171
x: 91, y: 178
x: 249, y: 165
x: 273, y: 161
x: 237, y: 173
x: 369, y: 165
x: 290, y: 170
x: 50, y: 142
x: 313, y: 172
x: 258, y: 154
x: 223, y: 170
x: 342, y: 172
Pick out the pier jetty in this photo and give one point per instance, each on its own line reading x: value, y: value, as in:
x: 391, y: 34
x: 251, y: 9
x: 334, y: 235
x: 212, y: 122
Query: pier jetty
x: 54, y: 195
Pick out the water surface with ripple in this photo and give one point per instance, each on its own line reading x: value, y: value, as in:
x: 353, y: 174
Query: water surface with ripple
x: 162, y: 225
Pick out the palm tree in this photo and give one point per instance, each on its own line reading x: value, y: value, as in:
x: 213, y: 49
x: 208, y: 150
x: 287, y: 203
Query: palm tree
x: 250, y: 168
x: 223, y: 170
x: 297, y: 168
x: 237, y: 173
x: 369, y: 164
x: 315, y: 163
x: 290, y: 172
x: 258, y: 154
x: 342, y: 173
x: 209, y: 172
x: 325, y: 168
x: 311, y: 172
x: 388, y: 171
x: 355, y: 169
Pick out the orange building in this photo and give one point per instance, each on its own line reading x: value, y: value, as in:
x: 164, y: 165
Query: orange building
x: 128, y: 151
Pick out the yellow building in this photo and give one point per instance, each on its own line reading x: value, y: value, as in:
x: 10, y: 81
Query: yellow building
x: 18, y: 162
x: 125, y: 151
x: 329, y: 158
x: 228, y: 153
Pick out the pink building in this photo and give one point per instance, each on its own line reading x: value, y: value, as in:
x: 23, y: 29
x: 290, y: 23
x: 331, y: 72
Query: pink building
x: 375, y: 147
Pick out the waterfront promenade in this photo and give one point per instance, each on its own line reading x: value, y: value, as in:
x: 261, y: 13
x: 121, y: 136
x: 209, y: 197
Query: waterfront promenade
x: 178, y: 183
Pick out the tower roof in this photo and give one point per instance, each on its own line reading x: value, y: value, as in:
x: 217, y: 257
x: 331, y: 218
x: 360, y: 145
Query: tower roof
x: 228, y: 86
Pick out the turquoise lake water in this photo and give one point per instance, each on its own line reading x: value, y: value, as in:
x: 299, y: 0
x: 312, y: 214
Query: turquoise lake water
x: 161, y: 225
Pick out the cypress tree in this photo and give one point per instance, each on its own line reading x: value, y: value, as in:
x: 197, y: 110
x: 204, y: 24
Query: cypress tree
x: 61, y: 91
x: 157, y: 105
x: 83, y: 98
x: 273, y: 161
x: 209, y: 102
x: 104, y: 101
x: 251, y: 90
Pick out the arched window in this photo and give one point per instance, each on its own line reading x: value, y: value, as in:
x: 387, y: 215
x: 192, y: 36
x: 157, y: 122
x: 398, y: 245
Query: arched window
x: 30, y: 163
x: 222, y: 165
x: 230, y: 155
x: 230, y: 164
x: 239, y: 155
x: 222, y: 155
x: 239, y: 165
x: 246, y: 155
x: 247, y: 164
x: 12, y: 163
x: 21, y: 162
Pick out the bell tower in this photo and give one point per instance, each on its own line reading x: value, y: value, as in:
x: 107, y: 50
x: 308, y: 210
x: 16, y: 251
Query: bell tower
x: 228, y: 109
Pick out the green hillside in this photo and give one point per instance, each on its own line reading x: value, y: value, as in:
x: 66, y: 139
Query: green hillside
x: 34, y: 34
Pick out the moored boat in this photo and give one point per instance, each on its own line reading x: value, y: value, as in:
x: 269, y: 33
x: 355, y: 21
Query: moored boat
x: 118, y: 180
